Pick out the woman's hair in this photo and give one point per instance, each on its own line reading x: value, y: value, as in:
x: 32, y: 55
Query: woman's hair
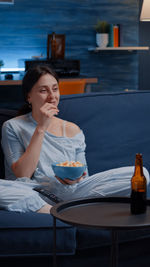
x: 29, y: 80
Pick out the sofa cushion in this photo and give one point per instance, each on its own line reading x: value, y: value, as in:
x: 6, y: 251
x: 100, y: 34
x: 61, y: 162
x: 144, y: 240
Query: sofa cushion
x: 29, y: 234
x: 116, y: 127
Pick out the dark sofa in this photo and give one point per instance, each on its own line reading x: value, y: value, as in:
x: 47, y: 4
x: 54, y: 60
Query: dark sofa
x: 116, y: 126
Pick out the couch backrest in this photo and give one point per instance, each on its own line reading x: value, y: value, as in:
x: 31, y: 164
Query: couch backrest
x: 116, y: 127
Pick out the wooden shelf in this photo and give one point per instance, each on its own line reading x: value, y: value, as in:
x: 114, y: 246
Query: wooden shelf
x: 120, y: 48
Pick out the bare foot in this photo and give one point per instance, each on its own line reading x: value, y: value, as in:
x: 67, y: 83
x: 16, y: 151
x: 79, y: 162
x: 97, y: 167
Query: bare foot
x: 45, y: 209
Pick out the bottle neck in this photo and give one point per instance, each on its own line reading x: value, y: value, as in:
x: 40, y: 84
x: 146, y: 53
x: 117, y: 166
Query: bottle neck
x: 138, y: 166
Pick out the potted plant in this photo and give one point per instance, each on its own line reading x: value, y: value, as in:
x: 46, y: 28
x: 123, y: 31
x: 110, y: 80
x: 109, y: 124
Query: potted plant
x: 102, y: 33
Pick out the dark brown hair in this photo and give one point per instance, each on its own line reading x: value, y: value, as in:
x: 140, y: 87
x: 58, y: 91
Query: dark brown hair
x: 29, y: 80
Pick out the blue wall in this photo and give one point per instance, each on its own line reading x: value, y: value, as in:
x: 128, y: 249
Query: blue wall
x: 144, y: 58
x: 24, y: 27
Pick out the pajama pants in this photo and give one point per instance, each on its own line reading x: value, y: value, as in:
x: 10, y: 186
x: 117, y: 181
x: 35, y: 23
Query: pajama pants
x: 19, y: 195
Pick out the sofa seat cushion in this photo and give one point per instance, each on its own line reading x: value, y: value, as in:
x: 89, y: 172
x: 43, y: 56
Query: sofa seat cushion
x: 29, y: 234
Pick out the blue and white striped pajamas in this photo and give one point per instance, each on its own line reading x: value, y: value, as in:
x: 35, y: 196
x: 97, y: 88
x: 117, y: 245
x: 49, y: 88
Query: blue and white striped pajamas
x: 18, y: 194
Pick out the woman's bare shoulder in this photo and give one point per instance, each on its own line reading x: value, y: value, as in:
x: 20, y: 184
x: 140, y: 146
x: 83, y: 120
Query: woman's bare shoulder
x: 71, y: 129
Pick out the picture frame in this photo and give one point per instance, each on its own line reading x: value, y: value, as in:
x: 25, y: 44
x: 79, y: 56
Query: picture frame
x: 55, y: 46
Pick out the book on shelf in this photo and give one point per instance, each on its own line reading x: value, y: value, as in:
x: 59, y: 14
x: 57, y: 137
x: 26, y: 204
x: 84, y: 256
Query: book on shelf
x: 114, y: 35
x: 111, y: 35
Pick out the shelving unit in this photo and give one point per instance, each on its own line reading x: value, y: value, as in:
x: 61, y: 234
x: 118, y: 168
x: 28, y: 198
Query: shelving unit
x: 120, y: 48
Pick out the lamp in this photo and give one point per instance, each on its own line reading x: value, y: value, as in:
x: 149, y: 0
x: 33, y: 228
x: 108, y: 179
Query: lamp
x: 145, y: 13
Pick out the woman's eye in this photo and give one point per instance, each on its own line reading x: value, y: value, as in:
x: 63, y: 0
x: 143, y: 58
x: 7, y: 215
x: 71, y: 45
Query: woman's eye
x: 55, y: 89
x: 43, y: 90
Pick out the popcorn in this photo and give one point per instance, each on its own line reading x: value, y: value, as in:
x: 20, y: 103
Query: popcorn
x: 70, y: 164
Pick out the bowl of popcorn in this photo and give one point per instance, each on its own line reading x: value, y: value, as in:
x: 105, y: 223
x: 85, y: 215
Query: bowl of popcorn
x: 69, y: 169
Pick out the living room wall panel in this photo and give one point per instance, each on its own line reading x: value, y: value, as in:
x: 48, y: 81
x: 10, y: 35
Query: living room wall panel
x: 24, y: 27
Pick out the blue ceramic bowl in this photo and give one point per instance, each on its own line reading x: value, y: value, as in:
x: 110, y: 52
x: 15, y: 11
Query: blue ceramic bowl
x: 71, y: 173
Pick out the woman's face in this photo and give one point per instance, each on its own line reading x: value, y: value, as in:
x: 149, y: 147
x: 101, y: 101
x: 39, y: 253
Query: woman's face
x: 46, y: 89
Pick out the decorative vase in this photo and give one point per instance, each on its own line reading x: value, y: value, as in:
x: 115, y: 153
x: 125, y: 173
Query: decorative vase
x: 102, y: 39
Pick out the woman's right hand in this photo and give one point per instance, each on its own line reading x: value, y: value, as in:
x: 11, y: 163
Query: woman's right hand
x: 47, y: 111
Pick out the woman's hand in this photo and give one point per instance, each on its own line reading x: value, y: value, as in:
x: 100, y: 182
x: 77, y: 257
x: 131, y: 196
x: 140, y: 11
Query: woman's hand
x: 47, y: 111
x: 68, y: 181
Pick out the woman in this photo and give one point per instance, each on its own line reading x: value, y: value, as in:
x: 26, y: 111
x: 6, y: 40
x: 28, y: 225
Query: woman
x: 33, y: 141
